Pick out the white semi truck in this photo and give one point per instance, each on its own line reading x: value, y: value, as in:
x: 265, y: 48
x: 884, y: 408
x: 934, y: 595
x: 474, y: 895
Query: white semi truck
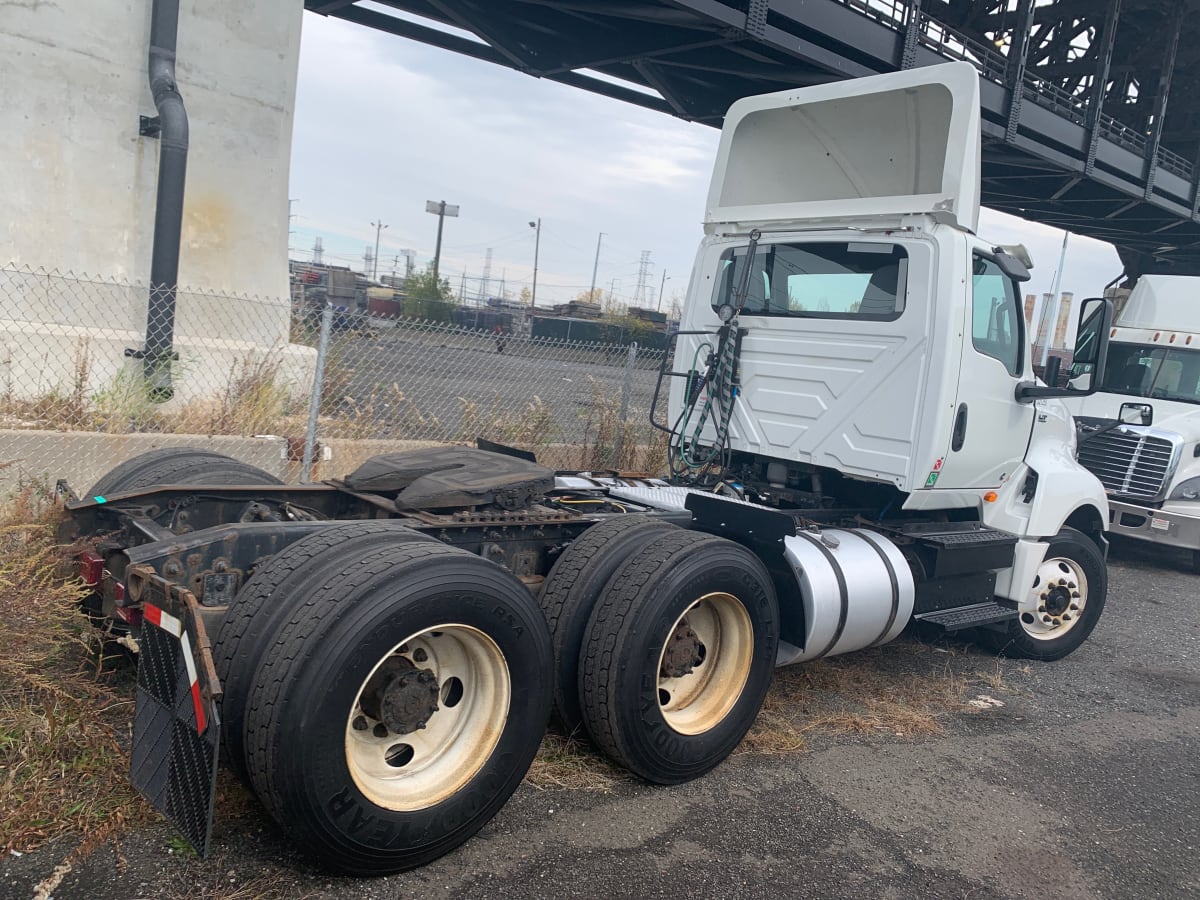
x: 1148, y: 457
x: 857, y: 442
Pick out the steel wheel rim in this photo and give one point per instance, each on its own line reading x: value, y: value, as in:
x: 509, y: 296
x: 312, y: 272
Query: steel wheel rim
x: 1055, y: 603
x: 414, y: 769
x: 699, y: 700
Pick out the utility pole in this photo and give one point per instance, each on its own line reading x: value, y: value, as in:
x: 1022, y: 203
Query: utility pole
x: 441, y: 209
x: 485, y: 284
x: 661, y: 287
x: 379, y: 226
x: 595, y: 266
x: 537, y: 243
x: 1053, y: 302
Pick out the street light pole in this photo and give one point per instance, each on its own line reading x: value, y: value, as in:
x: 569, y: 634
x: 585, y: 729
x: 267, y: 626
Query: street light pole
x: 595, y: 266
x: 537, y: 243
x: 441, y: 209
x: 379, y: 226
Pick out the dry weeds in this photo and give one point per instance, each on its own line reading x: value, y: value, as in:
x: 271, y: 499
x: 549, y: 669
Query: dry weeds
x: 572, y: 764
x: 63, y: 718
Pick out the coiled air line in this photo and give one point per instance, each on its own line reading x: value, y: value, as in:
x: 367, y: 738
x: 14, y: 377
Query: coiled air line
x: 711, y: 395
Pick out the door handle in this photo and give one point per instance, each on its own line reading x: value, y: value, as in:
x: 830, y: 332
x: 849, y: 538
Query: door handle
x: 960, y: 428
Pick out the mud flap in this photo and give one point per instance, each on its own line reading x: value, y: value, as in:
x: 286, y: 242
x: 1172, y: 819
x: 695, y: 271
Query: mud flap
x: 176, y: 729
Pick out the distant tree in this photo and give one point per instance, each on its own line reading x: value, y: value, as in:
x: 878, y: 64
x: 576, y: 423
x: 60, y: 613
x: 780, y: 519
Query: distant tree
x: 526, y: 296
x: 595, y: 295
x: 428, y: 299
x: 611, y: 306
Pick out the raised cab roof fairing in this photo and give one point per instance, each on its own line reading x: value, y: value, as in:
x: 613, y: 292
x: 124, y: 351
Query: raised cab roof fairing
x: 869, y: 148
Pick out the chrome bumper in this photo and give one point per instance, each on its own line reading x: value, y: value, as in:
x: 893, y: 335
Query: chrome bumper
x: 1161, y: 526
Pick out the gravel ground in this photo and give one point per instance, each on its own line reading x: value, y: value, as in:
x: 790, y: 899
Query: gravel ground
x: 1086, y: 783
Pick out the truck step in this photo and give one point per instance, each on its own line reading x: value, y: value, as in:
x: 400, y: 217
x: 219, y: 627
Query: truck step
x: 968, y: 616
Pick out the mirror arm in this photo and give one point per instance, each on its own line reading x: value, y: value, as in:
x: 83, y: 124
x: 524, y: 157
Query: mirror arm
x: 1030, y: 390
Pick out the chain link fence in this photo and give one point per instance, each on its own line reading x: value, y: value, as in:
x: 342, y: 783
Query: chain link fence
x: 85, y: 382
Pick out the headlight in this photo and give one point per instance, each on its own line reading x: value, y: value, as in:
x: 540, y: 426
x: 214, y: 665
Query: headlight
x: 1186, y: 490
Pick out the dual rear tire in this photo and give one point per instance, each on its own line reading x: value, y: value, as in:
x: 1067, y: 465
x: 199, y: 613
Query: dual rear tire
x: 675, y: 658
x: 384, y: 693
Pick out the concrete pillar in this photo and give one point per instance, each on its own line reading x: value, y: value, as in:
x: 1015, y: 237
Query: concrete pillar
x: 79, y: 186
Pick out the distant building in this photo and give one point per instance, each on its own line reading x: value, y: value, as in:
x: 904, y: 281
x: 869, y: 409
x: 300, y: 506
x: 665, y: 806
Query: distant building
x: 1063, y: 325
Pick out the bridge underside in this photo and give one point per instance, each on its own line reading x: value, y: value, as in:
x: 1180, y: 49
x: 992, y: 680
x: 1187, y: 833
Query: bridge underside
x: 1090, y: 112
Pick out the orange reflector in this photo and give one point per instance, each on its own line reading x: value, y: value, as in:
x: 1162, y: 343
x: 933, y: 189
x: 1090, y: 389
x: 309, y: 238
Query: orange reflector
x: 1156, y: 334
x: 1172, y: 339
x: 990, y: 497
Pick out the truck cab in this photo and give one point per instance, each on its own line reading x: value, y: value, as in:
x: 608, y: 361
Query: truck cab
x: 1140, y: 431
x: 879, y: 355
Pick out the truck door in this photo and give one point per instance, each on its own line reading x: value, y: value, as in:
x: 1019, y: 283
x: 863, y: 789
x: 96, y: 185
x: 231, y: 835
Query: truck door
x: 991, y: 429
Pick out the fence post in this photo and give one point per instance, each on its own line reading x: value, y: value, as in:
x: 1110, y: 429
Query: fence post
x: 626, y: 388
x: 314, y: 404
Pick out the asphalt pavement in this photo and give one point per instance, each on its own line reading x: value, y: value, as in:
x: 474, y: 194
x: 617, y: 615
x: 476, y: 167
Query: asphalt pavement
x: 1084, y: 784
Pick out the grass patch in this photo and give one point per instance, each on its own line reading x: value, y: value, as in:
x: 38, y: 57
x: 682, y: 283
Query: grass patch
x: 572, y: 764
x: 64, y: 718
x: 870, y: 692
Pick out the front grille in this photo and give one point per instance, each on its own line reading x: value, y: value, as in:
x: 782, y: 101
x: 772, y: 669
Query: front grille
x: 1130, y: 463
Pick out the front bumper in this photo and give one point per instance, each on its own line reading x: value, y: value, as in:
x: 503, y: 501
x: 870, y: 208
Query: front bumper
x: 1161, y: 526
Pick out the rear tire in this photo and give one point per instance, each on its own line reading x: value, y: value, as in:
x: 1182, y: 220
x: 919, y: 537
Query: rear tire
x: 678, y: 656
x: 1063, y: 605
x: 268, y: 599
x: 570, y: 592
x: 179, y: 465
x: 399, y: 706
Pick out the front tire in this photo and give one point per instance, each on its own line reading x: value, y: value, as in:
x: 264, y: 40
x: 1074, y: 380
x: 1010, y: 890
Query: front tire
x: 678, y: 656
x: 399, y: 707
x: 1062, y: 607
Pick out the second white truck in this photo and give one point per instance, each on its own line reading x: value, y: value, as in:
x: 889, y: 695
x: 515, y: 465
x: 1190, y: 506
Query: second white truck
x: 1148, y: 458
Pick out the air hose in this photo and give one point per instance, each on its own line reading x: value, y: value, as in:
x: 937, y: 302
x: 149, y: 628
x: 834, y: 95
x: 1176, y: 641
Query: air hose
x: 710, y: 396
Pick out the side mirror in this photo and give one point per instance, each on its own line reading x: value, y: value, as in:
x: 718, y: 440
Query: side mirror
x: 1090, y: 357
x: 1011, y: 266
x: 1136, y: 414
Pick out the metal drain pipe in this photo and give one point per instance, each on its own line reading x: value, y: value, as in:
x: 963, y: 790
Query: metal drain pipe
x: 172, y: 128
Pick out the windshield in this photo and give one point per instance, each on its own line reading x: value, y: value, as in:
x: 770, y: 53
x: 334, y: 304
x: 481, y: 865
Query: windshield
x: 1163, y: 373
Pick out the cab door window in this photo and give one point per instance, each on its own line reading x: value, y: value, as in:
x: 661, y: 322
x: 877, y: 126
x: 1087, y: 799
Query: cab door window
x: 996, y: 319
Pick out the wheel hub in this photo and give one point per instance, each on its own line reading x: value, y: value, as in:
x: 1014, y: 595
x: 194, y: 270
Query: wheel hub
x: 401, y: 696
x: 684, y: 651
x: 1057, y: 600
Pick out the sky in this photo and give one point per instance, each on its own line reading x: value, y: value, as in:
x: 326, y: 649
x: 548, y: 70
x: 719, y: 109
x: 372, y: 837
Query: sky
x: 384, y: 124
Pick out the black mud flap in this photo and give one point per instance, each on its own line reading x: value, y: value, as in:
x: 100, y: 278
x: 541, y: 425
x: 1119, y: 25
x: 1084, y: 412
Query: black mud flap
x: 176, y: 730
